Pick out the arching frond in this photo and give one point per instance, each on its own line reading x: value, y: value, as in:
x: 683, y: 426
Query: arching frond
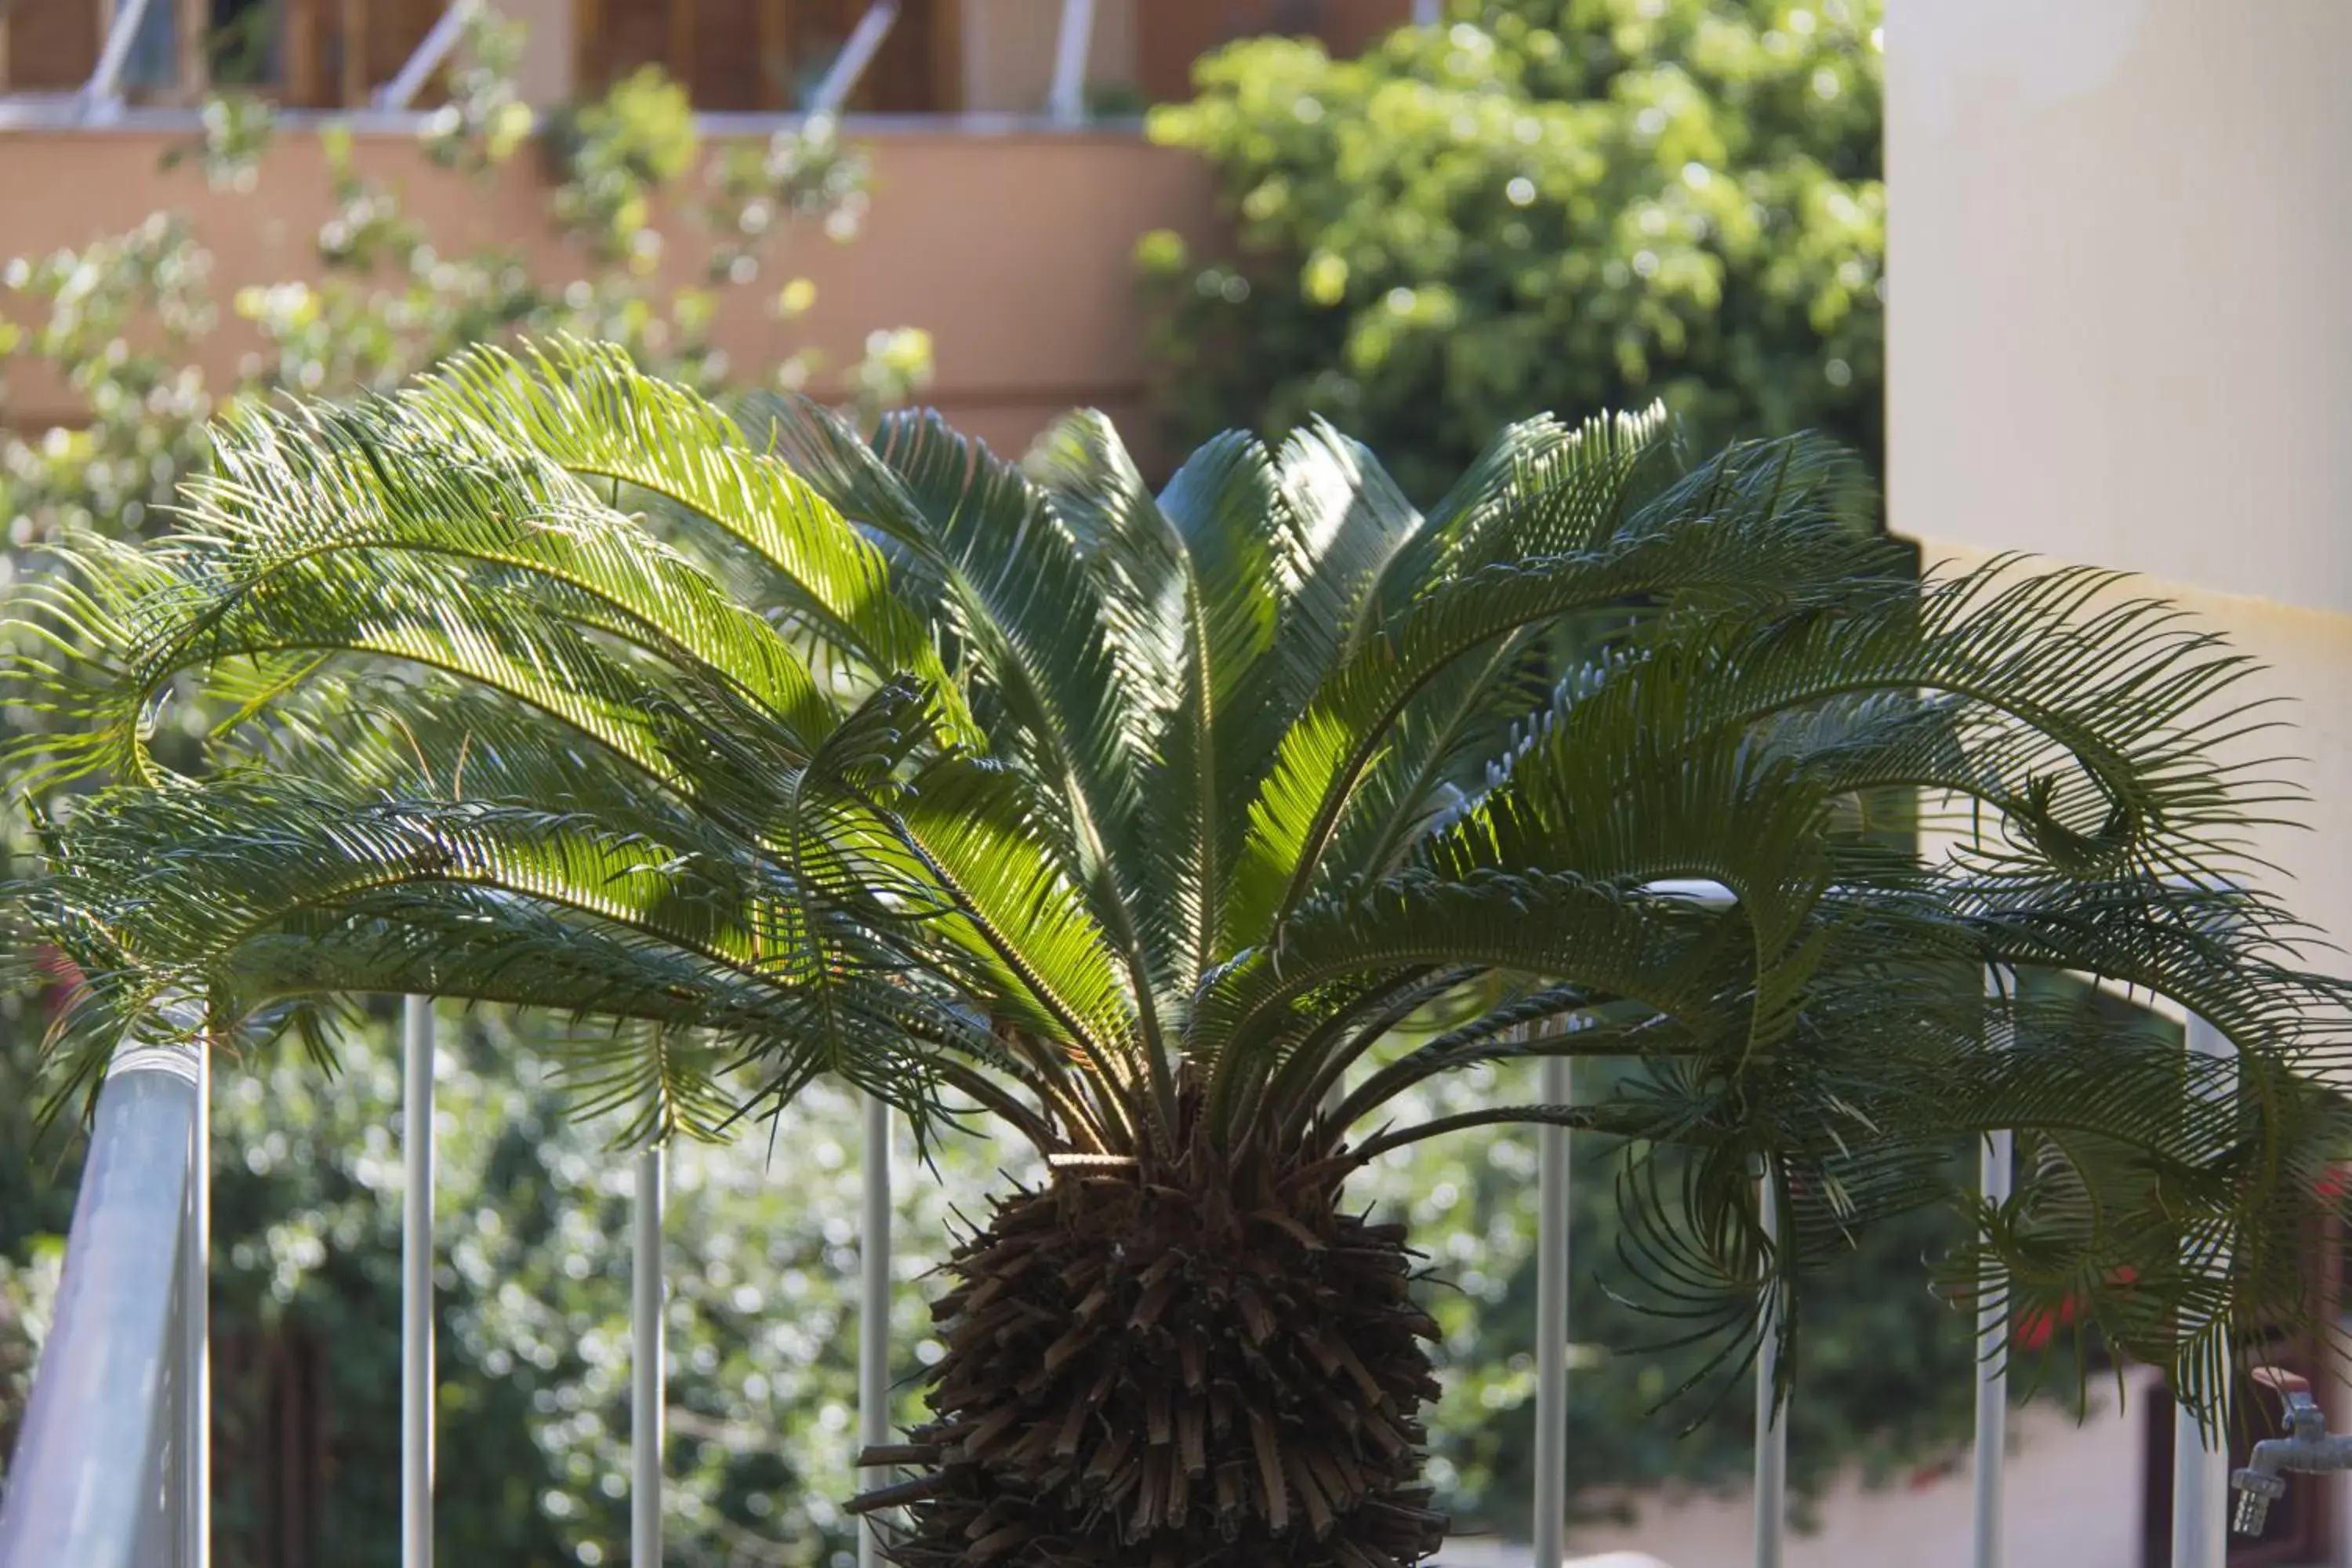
x: 1189, y: 833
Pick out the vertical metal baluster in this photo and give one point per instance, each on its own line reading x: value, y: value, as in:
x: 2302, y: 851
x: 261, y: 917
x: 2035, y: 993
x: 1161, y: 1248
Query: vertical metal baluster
x: 2200, y: 1475
x: 1066, y: 99
x: 1551, y: 1320
x: 648, y: 1359
x: 874, y: 1312
x: 1995, y: 1159
x: 417, y: 1284
x: 195, y: 1322
x: 1772, y: 1429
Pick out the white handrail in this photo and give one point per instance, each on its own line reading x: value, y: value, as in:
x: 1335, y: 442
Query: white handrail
x: 874, y: 1310
x: 1772, y: 1420
x: 1995, y: 1165
x: 2200, y: 1450
x: 102, y: 97
x: 858, y: 52
x: 196, y: 1324
x: 417, y: 1049
x: 1551, y: 1312
x: 430, y: 51
x: 1065, y: 103
x: 648, y: 1358
x: 1552, y: 1227
x: 102, y: 1473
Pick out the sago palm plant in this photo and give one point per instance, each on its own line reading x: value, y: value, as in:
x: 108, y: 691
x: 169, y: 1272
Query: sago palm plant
x: 1187, y: 834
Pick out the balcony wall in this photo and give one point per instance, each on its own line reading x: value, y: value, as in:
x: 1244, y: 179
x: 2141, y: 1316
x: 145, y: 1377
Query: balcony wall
x: 1013, y: 251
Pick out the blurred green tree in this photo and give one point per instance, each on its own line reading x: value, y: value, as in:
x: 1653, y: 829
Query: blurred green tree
x: 1542, y: 205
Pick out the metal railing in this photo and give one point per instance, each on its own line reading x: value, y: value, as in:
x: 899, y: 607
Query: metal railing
x: 124, y: 1371
x: 100, y: 100
x: 112, y: 1466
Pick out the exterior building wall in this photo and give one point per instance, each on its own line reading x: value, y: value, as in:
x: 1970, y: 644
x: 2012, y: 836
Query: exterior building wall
x: 992, y: 56
x: 1014, y: 252
x: 1009, y: 44
x: 2073, y: 1496
x: 1174, y: 33
x: 2120, y: 333
x: 550, y: 50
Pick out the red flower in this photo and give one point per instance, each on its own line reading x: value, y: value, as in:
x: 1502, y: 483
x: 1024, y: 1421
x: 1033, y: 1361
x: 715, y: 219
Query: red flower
x: 64, y: 978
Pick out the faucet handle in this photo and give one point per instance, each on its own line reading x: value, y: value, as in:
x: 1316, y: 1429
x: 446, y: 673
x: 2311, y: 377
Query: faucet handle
x: 2280, y: 1381
x: 2298, y: 1409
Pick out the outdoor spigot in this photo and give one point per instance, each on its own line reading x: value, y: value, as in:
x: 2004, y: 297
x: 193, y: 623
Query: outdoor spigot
x: 2256, y: 1492
x: 2306, y: 1446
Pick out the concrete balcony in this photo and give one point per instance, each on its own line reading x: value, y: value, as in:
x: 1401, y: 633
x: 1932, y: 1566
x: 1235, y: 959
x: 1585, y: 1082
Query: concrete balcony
x: 1013, y: 248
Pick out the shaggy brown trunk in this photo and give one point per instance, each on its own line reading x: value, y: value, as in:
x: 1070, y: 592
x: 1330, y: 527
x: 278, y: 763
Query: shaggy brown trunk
x: 1223, y: 1372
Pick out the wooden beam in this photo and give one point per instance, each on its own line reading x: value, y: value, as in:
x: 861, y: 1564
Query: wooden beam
x: 946, y: 56
x: 775, y: 54
x: 587, y: 47
x: 353, y: 90
x: 196, y: 72
x: 305, y: 79
x: 682, y: 44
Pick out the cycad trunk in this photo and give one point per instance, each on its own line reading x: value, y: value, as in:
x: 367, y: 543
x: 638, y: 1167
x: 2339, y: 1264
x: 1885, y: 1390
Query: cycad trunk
x: 1223, y: 1371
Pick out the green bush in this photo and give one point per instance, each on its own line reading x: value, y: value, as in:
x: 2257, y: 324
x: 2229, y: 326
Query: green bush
x: 1545, y: 205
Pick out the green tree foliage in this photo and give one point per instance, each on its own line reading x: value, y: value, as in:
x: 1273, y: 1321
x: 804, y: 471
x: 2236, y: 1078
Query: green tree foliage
x: 1544, y: 203
x: 1188, y: 837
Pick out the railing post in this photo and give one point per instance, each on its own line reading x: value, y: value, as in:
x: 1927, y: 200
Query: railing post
x: 874, y: 1311
x: 417, y: 1284
x: 864, y: 41
x: 2201, y: 1454
x: 1067, y: 100
x: 1771, y: 1427
x: 1554, y: 1088
x: 101, y: 1473
x: 195, y: 1322
x: 648, y: 1365
x: 409, y: 80
x: 1994, y: 1163
x: 101, y: 96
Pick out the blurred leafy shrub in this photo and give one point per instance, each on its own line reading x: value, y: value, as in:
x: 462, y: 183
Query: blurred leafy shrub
x: 1542, y: 205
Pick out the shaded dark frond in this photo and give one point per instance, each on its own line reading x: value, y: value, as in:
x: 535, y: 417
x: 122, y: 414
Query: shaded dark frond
x: 1775, y: 560
x: 664, y: 1085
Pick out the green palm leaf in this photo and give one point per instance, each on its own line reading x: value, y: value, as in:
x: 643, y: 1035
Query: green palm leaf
x: 1189, y: 833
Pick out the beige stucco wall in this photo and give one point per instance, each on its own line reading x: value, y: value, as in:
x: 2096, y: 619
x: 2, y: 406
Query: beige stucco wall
x: 545, y: 74
x: 2073, y: 1496
x: 2119, y: 331
x: 1009, y: 51
x: 2119, y: 327
x: 1013, y: 251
